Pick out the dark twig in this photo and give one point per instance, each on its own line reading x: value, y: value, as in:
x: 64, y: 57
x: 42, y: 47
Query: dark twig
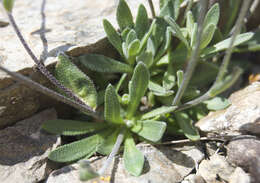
x: 42, y: 68
x: 36, y: 86
x: 152, y: 8
x: 194, y: 55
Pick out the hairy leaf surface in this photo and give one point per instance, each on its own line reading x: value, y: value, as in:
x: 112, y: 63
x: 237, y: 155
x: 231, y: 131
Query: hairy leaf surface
x: 73, y: 78
x: 132, y: 157
x: 101, y: 63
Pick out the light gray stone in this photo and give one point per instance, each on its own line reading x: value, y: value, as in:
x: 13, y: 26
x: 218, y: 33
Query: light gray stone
x: 68, y: 27
x: 24, y: 150
x: 216, y: 166
x: 244, y: 111
x: 245, y: 152
x: 166, y: 164
x: 239, y: 176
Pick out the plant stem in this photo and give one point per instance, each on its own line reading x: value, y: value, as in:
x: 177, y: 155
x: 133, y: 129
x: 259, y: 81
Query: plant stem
x: 152, y: 8
x: 114, y: 151
x: 194, y: 56
x: 238, y: 26
x: 32, y: 84
x: 42, y: 68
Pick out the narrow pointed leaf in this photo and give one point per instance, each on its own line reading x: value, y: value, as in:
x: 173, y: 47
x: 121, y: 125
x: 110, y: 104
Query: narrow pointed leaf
x: 146, y: 36
x: 158, y: 111
x: 217, y: 103
x: 150, y: 130
x: 190, y: 22
x: 142, y: 22
x: 101, y: 63
x: 165, y: 45
x: 179, y: 77
x: 73, y: 78
x: 112, y: 106
x: 207, y: 35
x: 193, y: 38
x: 176, y: 30
x: 113, y: 36
x: 137, y: 87
x: 75, y: 150
x: 8, y: 5
x: 241, y: 38
x: 71, y: 127
x: 106, y: 147
x: 132, y: 157
x: 212, y: 16
x: 124, y: 16
x: 185, y: 123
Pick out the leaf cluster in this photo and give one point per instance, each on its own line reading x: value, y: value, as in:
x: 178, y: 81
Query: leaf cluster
x: 135, y: 92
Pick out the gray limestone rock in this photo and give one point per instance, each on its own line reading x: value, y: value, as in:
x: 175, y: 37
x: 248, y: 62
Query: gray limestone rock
x: 239, y: 176
x: 66, y: 27
x: 167, y: 164
x: 239, y: 117
x: 24, y: 150
x: 245, y: 152
x: 215, y: 168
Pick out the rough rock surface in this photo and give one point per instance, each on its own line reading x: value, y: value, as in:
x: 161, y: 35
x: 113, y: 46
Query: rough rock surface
x: 245, y: 152
x: 238, y: 118
x: 239, y: 176
x: 166, y: 164
x: 24, y: 150
x: 215, y: 168
x: 65, y: 27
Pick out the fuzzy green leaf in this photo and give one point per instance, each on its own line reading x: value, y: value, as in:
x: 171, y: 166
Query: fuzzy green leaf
x: 146, y: 36
x: 124, y: 16
x: 217, y: 103
x: 73, y: 78
x: 170, y: 8
x: 131, y: 36
x: 158, y: 112
x: 142, y: 22
x: 169, y: 78
x: 8, y: 5
x: 101, y: 63
x: 112, y: 106
x: 241, y: 38
x: 145, y: 57
x: 158, y: 90
x: 71, y: 127
x: 190, y: 22
x: 75, y: 150
x: 193, y: 38
x: 150, y: 130
x: 106, y: 147
x: 165, y: 45
x: 133, y: 48
x: 207, y: 35
x: 179, y: 77
x: 185, y: 123
x: 132, y: 157
x: 137, y: 87
x: 176, y: 30
x: 125, y: 33
x: 113, y: 36
x: 212, y: 16
x: 150, y: 46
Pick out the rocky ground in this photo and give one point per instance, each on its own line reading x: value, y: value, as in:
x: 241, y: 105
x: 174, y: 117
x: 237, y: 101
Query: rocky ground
x: 228, y: 152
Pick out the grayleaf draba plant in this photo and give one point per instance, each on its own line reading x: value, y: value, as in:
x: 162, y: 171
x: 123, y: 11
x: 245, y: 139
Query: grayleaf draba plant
x: 154, y: 80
